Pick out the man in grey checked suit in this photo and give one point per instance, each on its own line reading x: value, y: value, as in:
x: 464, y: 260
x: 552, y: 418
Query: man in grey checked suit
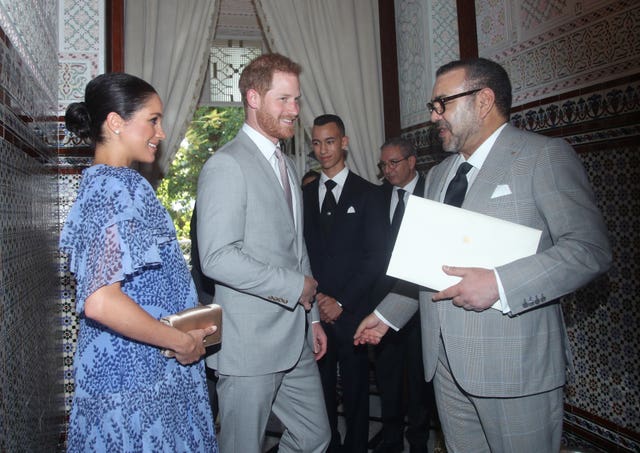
x: 250, y: 235
x: 498, y: 374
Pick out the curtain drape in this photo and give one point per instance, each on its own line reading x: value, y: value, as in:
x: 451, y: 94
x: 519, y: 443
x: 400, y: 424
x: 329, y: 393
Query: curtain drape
x: 337, y: 44
x: 167, y: 43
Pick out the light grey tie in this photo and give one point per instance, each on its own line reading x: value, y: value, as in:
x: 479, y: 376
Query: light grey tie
x: 284, y: 177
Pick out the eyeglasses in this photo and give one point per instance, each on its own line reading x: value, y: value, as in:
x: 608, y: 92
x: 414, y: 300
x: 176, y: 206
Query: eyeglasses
x: 393, y: 163
x: 437, y: 105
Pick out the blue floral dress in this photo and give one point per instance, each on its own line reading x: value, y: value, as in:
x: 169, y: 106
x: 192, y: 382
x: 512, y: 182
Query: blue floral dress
x: 128, y: 397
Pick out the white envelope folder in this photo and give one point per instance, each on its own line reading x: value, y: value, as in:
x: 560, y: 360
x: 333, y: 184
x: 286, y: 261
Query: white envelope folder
x: 433, y: 234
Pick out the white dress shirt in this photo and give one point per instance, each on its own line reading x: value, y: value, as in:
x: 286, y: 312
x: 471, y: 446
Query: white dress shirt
x: 477, y: 160
x: 268, y: 150
x: 408, y: 190
x: 339, y: 179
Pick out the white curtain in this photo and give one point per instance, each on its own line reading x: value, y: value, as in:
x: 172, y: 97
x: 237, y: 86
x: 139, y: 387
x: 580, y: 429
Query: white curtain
x: 337, y: 44
x: 167, y: 44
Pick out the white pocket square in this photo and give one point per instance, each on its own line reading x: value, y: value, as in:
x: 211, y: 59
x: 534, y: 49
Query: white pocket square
x: 501, y: 191
x: 351, y: 210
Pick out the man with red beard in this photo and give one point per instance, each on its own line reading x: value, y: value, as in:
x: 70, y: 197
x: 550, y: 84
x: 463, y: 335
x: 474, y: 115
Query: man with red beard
x: 250, y: 241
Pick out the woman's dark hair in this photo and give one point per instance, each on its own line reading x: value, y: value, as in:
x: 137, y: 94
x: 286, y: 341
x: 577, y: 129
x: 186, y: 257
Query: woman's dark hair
x: 116, y: 92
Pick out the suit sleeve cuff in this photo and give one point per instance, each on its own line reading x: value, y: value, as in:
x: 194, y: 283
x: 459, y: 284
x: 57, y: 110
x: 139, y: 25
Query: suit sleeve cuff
x: 384, y: 320
x: 503, y: 296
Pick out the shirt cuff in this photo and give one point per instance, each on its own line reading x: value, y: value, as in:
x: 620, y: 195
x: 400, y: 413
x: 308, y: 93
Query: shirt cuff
x: 503, y: 296
x: 384, y: 320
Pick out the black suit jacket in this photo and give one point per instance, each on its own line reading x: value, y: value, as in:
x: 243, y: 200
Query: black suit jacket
x: 347, y: 261
x: 385, y: 284
x: 205, y: 286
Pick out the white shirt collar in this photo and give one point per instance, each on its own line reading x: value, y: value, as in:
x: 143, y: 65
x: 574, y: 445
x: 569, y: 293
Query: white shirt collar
x: 266, y: 146
x: 339, y: 179
x: 410, y: 186
x: 480, y: 155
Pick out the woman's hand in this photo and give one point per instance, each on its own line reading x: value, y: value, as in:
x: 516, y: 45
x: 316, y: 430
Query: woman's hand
x: 192, y: 347
x: 111, y: 307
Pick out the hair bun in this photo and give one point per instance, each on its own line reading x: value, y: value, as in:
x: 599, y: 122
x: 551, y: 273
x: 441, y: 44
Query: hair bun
x: 78, y: 120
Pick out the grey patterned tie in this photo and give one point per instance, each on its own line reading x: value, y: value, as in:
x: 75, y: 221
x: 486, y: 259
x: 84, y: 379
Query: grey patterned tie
x: 284, y: 177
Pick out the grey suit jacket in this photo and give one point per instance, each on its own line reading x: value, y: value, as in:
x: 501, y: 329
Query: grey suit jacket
x: 525, y: 352
x: 249, y: 245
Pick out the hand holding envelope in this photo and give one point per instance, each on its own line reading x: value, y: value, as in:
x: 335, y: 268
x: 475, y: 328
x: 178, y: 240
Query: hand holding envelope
x: 477, y: 290
x: 433, y: 234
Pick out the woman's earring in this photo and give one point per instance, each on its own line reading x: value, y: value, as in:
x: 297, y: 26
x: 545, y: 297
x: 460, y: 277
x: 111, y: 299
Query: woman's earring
x: 117, y: 132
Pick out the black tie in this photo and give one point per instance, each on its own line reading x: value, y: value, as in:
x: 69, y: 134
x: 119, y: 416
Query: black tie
x: 458, y: 186
x: 398, y: 213
x: 328, y: 204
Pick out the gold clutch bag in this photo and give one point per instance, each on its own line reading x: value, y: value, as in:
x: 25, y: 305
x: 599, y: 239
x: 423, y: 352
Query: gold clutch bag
x: 196, y: 318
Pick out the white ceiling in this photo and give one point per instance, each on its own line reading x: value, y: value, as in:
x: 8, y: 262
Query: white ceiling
x: 237, y: 19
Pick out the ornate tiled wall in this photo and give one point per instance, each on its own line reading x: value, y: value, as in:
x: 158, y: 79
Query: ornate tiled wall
x: 31, y: 407
x: 603, y: 394
x: 82, y: 57
x: 81, y: 49
x: 421, y: 26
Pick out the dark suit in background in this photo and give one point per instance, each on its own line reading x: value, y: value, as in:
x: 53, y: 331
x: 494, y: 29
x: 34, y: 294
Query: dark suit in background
x: 399, y: 371
x: 346, y: 259
x: 398, y: 361
x: 206, y: 288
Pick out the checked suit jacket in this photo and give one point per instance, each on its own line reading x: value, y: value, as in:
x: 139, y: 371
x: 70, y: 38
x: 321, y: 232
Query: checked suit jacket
x: 526, y: 351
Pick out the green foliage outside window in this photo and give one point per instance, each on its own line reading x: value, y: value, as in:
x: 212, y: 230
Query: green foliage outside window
x: 210, y: 129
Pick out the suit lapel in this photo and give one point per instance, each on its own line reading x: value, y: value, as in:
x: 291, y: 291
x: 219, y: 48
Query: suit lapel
x: 493, y: 171
x: 312, y: 211
x: 437, y: 177
x: 267, y: 171
x: 346, y: 195
x: 419, y: 189
x: 344, y: 202
x: 314, y: 188
x: 388, y: 193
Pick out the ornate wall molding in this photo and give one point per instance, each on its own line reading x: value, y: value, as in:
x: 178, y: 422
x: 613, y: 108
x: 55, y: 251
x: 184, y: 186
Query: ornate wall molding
x: 599, y: 431
x: 605, y: 114
x: 81, y: 53
x: 583, y: 48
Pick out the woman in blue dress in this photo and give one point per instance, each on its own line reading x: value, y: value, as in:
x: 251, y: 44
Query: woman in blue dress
x: 122, y: 248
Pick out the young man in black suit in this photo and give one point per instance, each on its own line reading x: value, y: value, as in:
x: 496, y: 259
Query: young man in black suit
x: 346, y: 238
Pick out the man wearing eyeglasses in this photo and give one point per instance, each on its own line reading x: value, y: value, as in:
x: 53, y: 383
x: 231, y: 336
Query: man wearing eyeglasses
x: 499, y: 373
x: 398, y: 357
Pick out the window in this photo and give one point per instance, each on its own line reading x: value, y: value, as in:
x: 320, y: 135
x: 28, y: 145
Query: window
x: 227, y: 59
